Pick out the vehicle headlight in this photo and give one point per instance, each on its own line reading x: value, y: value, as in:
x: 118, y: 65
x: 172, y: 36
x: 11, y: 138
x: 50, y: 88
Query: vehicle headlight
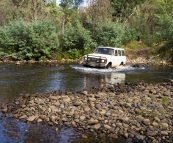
x: 103, y: 61
x: 85, y: 58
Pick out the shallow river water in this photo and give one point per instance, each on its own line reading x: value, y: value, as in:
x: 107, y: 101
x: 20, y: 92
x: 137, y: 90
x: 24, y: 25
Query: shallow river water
x: 39, y: 78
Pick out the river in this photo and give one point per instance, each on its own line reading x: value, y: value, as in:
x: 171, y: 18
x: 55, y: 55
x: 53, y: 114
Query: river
x: 46, y: 77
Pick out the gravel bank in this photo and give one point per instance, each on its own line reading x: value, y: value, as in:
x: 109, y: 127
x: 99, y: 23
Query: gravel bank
x: 137, y: 112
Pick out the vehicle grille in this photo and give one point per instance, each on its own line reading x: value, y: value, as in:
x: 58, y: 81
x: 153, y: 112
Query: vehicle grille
x: 93, y: 59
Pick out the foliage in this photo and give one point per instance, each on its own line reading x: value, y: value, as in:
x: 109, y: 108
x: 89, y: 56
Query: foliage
x: 71, y: 3
x: 110, y: 22
x: 109, y: 34
x: 165, y: 100
x: 167, y: 51
x: 122, y: 9
x: 131, y: 34
x: 28, y: 40
x: 165, y: 33
x: 55, y: 13
x: 69, y: 8
x: 165, y: 30
x: 74, y: 39
x: 134, y: 45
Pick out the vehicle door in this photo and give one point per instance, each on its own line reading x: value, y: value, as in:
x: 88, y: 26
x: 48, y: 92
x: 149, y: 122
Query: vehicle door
x: 112, y: 57
x: 117, y: 58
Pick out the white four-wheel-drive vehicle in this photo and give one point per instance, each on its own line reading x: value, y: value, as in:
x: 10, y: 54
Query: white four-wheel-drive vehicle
x: 105, y: 57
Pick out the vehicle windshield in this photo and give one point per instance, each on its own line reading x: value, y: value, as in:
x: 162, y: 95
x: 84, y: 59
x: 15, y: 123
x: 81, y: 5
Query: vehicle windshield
x: 106, y: 51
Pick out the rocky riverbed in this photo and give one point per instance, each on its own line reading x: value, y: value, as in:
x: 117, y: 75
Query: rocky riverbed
x: 137, y: 112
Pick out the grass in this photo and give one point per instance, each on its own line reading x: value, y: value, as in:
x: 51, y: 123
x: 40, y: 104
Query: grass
x: 135, y: 45
x: 164, y: 101
x: 138, y: 49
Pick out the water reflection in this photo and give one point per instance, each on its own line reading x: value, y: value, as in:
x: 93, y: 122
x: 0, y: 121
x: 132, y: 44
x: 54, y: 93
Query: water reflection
x: 39, y: 78
x: 115, y: 78
x: 109, y: 78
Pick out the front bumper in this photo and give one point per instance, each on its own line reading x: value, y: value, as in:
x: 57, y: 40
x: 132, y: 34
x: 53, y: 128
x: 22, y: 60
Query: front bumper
x: 94, y: 64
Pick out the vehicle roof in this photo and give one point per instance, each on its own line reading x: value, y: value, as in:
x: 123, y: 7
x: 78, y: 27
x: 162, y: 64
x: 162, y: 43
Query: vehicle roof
x: 111, y: 48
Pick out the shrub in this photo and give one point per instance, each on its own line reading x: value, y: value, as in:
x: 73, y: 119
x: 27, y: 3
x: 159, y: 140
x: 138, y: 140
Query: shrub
x: 109, y: 34
x: 29, y: 40
x: 76, y: 41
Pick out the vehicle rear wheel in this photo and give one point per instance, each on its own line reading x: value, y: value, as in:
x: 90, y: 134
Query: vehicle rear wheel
x: 122, y: 64
x: 109, y: 66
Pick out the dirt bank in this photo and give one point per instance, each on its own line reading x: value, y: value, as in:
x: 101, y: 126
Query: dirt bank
x: 143, y: 56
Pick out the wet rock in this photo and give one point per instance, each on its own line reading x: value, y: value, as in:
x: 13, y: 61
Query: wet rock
x: 92, y: 99
x: 157, y: 119
x: 84, y: 136
x: 164, y: 125
x: 85, y: 92
x: 155, y: 124
x: 164, y: 133
x: 92, y: 121
x: 152, y: 133
x: 23, y: 117
x: 66, y: 99
x: 82, y: 118
x: 146, y: 121
x: 114, y: 136
x: 31, y: 118
x: 107, y: 126
x: 96, y: 126
x: 39, y: 101
x: 167, y: 93
x: 77, y: 103
x: 54, y: 97
x: 86, y: 109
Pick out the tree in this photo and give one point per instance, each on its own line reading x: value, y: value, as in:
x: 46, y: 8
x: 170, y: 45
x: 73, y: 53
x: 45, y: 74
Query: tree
x: 109, y: 34
x: 98, y: 11
x: 76, y: 41
x: 37, y: 40
x: 69, y: 7
x: 123, y: 9
x: 55, y: 13
x: 29, y: 10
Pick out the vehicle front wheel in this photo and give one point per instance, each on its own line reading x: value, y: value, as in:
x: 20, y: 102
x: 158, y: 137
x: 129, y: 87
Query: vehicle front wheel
x: 109, y: 66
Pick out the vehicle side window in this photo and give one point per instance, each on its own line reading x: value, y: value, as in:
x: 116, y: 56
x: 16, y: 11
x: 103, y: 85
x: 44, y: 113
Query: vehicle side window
x: 123, y: 54
x: 111, y: 52
x: 119, y: 52
x: 116, y: 53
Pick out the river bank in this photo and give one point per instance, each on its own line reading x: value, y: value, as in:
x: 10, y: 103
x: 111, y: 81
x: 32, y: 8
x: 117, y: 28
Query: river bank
x: 141, y: 56
x: 142, y: 112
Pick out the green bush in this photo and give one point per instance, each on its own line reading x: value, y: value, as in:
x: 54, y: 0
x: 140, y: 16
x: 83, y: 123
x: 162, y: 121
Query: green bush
x: 130, y: 35
x: 27, y: 41
x: 109, y: 34
x: 165, y: 28
x: 76, y: 41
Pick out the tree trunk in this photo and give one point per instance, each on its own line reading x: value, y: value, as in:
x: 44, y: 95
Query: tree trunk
x: 34, y: 2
